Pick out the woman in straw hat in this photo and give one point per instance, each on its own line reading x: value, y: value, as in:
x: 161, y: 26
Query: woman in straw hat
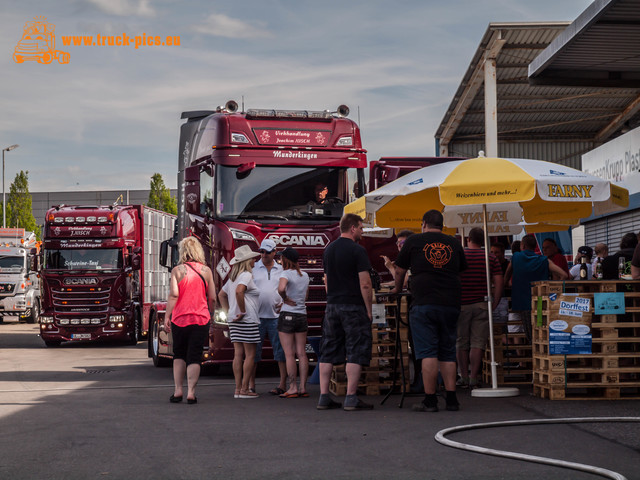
x: 240, y: 298
x: 192, y: 298
x: 292, y: 323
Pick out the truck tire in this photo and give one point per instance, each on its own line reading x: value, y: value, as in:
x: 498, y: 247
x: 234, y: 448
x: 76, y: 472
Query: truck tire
x: 154, y: 346
x: 52, y: 343
x: 46, y: 58
x: 34, y: 317
x: 134, y: 335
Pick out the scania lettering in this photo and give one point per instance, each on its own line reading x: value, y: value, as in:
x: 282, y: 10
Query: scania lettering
x: 245, y: 176
x: 101, y: 277
x: 19, y: 282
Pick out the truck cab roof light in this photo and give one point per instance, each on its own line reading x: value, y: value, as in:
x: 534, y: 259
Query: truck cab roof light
x: 80, y: 219
x: 58, y: 220
x: 91, y: 219
x: 68, y: 219
x: 344, y: 142
x: 102, y: 219
x: 293, y: 114
x: 239, y: 138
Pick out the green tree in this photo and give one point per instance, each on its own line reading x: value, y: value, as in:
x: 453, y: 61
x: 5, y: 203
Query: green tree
x: 19, y: 211
x: 160, y: 196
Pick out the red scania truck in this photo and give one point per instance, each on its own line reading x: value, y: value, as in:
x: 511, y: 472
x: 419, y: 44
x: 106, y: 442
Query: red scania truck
x: 246, y: 176
x: 101, y: 276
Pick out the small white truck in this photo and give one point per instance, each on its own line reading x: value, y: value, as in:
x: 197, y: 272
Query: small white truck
x: 19, y: 280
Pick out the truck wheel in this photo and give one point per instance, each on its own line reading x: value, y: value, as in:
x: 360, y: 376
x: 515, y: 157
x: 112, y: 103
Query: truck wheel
x: 52, y: 343
x: 34, y: 317
x: 134, y: 335
x: 154, y: 345
x: 63, y: 57
x: 46, y: 58
x: 18, y: 58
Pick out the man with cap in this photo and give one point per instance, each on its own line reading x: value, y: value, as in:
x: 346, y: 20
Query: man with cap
x: 266, y: 275
x: 586, y: 252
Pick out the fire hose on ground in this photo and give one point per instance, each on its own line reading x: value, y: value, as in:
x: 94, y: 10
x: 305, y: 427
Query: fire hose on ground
x: 440, y: 438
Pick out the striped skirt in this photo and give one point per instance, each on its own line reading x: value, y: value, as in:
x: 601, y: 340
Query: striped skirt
x: 242, y: 332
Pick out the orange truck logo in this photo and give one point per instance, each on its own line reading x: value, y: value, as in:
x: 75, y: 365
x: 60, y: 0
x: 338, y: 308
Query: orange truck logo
x: 38, y: 43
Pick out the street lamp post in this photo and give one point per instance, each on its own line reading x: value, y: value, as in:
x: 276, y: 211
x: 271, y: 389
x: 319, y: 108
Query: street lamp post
x: 4, y: 203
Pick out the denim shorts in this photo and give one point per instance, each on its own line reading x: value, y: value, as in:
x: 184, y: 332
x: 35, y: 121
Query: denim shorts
x: 289, y: 322
x: 346, y: 335
x: 269, y: 326
x: 434, y: 331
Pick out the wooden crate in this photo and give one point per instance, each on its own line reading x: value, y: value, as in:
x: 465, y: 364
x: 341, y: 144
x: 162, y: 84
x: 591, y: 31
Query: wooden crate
x: 514, y: 361
x: 612, y: 370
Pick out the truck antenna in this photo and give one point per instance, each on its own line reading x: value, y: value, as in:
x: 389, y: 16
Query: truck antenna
x: 358, y: 114
x: 243, y: 103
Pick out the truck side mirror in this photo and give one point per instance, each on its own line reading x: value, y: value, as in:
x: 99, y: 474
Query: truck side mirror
x: 136, y: 261
x: 192, y: 189
x: 164, y: 250
x: 34, y: 260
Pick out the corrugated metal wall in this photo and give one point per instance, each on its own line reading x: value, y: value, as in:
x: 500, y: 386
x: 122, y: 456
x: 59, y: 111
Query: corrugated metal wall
x: 609, y: 230
x: 564, y: 153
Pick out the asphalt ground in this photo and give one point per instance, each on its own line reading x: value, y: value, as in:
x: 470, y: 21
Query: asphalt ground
x: 102, y: 411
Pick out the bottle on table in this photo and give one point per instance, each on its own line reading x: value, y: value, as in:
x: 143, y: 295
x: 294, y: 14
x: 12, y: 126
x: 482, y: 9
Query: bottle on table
x: 621, y: 267
x: 598, y: 273
x: 584, y: 271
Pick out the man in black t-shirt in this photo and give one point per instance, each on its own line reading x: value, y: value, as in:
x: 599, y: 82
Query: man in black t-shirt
x: 346, y: 328
x: 435, y: 260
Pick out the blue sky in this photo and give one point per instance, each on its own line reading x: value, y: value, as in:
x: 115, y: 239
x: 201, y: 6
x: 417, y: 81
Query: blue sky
x: 110, y: 118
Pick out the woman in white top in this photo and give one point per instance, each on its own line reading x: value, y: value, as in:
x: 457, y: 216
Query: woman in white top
x: 292, y: 322
x: 239, y: 297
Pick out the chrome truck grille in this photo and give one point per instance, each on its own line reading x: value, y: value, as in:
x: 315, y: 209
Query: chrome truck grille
x: 81, y: 300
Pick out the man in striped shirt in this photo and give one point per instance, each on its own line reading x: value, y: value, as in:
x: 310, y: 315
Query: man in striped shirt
x: 473, y: 323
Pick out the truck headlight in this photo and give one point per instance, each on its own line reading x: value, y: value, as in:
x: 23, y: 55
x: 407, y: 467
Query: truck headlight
x: 220, y: 318
x: 46, y: 319
x: 117, y: 318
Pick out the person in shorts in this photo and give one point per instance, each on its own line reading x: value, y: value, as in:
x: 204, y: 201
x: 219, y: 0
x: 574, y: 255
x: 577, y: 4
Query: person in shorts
x: 192, y: 298
x: 346, y: 328
x: 473, y: 323
x: 292, y: 322
x: 436, y: 261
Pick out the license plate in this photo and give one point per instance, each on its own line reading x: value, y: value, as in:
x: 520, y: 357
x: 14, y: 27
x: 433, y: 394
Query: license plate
x: 81, y: 336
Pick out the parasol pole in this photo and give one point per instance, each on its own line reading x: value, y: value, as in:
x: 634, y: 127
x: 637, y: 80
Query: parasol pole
x: 494, y: 391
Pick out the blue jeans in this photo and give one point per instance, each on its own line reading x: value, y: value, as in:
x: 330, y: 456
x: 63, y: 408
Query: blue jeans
x: 434, y: 331
x: 269, y: 326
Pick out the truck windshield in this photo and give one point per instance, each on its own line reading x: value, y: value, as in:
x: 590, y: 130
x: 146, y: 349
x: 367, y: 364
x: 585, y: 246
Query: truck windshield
x: 280, y: 193
x: 11, y: 262
x: 83, y: 259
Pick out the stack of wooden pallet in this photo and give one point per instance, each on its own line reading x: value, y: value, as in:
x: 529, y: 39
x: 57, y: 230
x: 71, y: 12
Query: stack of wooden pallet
x: 612, y: 369
x: 512, y: 353
x: 385, y: 369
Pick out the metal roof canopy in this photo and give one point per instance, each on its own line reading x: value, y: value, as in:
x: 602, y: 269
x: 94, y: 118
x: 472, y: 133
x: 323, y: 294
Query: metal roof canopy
x: 600, y: 48
x: 553, y: 123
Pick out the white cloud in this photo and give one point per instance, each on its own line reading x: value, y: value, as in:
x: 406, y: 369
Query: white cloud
x: 125, y: 8
x: 220, y: 25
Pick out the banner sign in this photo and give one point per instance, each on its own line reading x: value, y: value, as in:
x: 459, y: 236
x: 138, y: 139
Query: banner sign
x: 570, y: 324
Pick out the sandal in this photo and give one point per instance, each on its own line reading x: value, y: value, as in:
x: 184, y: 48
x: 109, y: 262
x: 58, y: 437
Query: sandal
x: 303, y: 394
x: 289, y: 395
x: 248, y: 394
x: 276, y: 391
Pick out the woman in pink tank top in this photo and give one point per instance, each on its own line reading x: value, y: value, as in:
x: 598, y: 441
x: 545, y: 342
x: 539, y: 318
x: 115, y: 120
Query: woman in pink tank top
x: 192, y: 298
